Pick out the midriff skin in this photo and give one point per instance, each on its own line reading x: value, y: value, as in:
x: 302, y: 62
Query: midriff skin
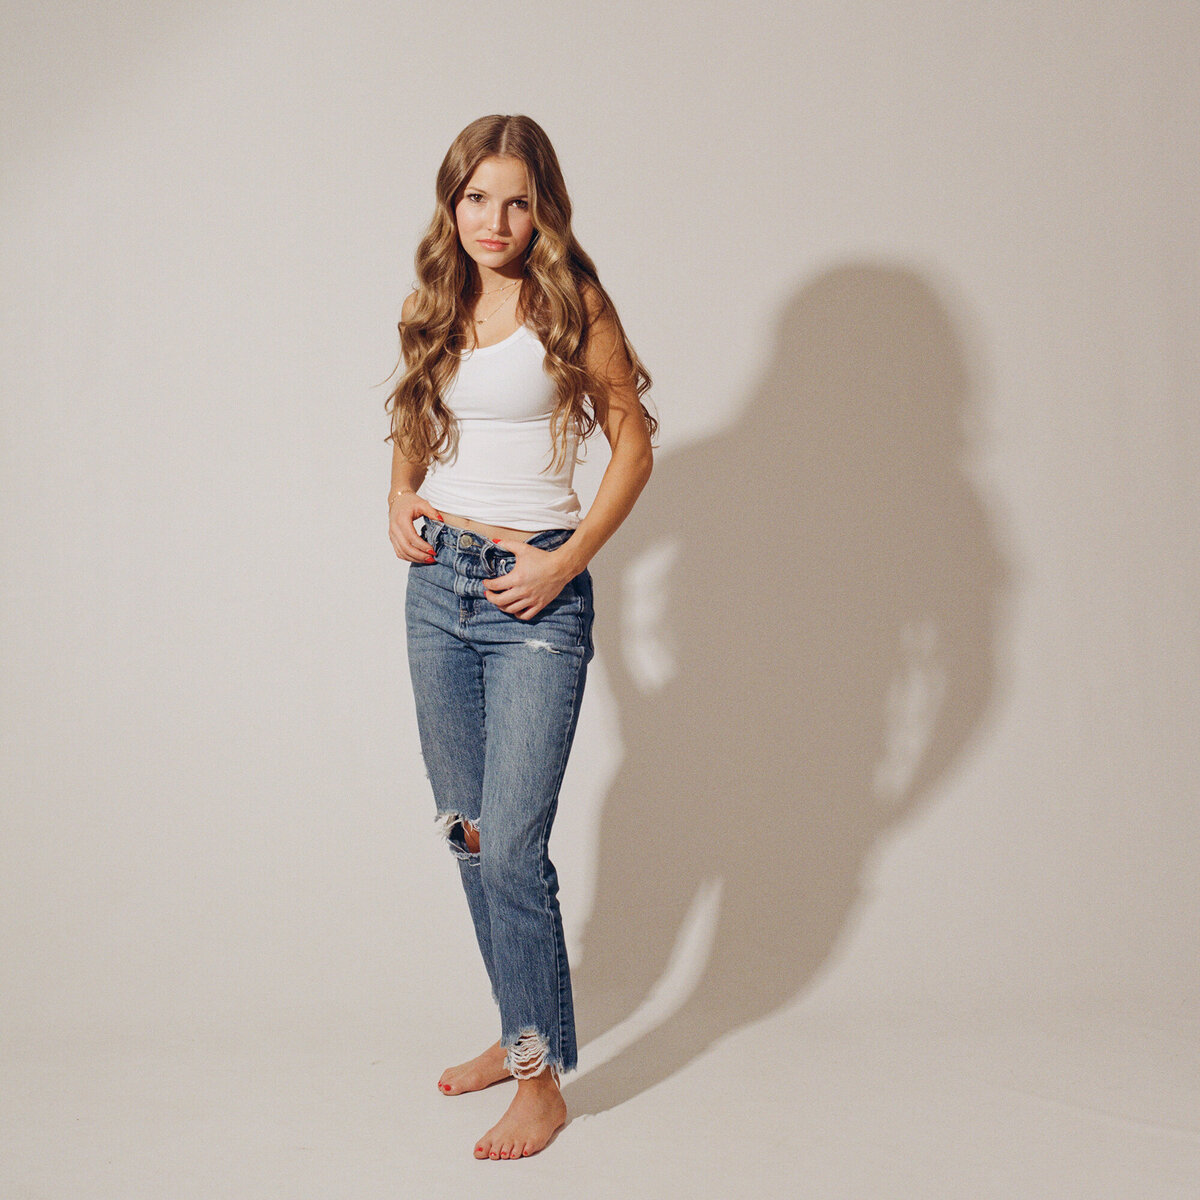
x: 491, y: 531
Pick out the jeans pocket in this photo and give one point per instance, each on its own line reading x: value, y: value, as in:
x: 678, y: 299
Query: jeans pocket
x: 550, y: 539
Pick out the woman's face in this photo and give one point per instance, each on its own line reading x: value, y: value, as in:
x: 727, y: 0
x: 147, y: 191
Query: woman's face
x: 494, y: 222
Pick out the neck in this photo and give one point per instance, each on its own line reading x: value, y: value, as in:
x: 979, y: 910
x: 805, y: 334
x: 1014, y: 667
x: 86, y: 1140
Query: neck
x: 487, y: 280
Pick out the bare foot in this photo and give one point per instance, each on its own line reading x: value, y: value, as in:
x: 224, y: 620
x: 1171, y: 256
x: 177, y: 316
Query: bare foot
x: 536, y: 1114
x: 481, y: 1072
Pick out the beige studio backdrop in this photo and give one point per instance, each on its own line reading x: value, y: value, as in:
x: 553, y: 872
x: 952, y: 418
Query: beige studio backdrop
x: 894, y: 712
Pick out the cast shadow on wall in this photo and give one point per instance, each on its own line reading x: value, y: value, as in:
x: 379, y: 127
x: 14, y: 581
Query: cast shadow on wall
x: 829, y: 586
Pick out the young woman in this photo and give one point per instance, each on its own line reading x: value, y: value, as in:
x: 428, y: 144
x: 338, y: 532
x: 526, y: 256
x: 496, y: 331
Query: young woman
x: 513, y: 354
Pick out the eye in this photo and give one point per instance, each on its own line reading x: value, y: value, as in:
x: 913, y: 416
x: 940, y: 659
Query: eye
x: 474, y: 197
x: 523, y: 205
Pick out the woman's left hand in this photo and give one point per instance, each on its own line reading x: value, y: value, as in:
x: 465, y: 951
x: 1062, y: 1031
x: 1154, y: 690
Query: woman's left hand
x: 536, y: 578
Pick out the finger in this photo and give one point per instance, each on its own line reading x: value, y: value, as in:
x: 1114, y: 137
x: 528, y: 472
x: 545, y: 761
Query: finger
x: 414, y: 549
x: 413, y: 538
x: 523, y: 606
x: 511, y: 577
x: 520, y: 552
x: 504, y: 603
x: 513, y: 605
x: 404, y: 533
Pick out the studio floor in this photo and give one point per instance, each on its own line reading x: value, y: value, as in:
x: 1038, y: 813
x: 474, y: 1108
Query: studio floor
x: 883, y: 1106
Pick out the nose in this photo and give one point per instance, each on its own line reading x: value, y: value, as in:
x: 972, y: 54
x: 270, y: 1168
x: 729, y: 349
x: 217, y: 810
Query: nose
x: 498, y: 219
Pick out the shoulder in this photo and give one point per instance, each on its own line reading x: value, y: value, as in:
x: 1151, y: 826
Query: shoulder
x: 602, y: 325
x: 605, y: 354
x: 594, y: 304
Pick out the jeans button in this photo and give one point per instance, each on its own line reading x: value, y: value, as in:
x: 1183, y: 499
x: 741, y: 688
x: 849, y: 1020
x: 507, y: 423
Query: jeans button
x: 465, y: 541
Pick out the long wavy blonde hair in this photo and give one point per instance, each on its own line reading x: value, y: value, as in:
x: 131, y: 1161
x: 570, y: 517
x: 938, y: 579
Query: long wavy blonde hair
x: 559, y: 278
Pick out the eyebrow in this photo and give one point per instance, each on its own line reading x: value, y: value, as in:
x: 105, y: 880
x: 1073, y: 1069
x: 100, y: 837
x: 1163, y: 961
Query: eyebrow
x: 485, y: 192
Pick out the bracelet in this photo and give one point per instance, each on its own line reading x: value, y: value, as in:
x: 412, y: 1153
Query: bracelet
x: 401, y: 492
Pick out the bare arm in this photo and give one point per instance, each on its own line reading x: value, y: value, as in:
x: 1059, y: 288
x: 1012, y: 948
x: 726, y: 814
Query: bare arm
x: 404, y: 505
x: 539, y: 575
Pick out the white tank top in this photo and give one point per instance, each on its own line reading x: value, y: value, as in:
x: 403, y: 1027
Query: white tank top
x: 501, y: 474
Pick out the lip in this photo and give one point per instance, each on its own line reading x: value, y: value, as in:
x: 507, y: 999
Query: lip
x: 490, y: 245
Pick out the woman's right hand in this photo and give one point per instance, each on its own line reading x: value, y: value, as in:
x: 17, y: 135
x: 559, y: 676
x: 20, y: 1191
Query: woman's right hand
x: 405, y: 508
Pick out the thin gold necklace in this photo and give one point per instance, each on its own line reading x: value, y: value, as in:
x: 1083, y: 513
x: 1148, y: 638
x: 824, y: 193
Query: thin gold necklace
x: 482, y: 320
x: 500, y: 289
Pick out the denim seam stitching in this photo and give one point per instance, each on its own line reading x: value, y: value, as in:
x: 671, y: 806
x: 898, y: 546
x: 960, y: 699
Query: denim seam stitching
x: 545, y: 843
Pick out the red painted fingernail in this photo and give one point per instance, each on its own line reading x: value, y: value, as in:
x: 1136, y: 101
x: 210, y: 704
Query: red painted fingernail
x: 496, y: 540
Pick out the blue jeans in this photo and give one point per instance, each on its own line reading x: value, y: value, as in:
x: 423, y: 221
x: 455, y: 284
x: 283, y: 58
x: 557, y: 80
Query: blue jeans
x: 497, y: 701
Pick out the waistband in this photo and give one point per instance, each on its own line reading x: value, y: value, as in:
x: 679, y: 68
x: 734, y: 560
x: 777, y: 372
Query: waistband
x: 438, y: 534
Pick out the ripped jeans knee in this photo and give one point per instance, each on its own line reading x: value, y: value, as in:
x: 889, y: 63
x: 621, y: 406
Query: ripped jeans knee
x: 461, y: 835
